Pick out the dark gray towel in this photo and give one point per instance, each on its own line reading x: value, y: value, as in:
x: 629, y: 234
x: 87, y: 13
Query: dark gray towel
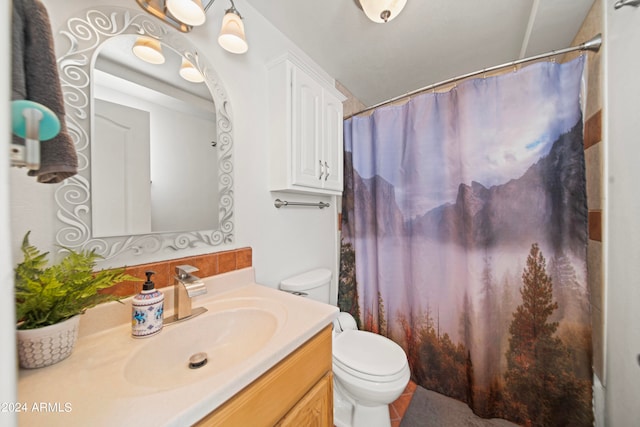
x: 35, y: 77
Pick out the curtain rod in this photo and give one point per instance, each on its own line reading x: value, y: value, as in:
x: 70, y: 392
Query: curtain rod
x: 592, y: 45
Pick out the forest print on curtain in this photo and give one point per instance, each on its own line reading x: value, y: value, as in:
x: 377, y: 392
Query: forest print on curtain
x: 464, y: 240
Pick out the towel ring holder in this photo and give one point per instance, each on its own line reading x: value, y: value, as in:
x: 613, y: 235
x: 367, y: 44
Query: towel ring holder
x: 34, y: 122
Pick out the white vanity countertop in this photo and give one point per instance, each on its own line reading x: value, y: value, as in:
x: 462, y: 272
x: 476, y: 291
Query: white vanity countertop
x: 90, y: 387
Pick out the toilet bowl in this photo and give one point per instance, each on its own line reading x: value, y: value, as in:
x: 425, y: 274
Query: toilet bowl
x: 370, y: 371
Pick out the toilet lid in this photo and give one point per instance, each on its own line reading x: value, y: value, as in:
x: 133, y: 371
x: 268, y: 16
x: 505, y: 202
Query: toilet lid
x: 369, y: 353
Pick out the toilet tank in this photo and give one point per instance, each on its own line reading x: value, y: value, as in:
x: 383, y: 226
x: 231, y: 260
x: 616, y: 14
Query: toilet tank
x: 315, y: 284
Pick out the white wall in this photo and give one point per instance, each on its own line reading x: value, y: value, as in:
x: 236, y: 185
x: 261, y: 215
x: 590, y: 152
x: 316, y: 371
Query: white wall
x: 285, y: 241
x: 621, y: 122
x: 7, y: 320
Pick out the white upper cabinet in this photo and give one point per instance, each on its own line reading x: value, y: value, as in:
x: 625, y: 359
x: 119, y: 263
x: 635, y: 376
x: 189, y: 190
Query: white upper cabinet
x: 305, y: 114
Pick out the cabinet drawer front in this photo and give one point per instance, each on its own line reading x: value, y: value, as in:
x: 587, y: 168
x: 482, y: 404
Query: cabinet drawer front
x: 265, y: 401
x: 315, y: 409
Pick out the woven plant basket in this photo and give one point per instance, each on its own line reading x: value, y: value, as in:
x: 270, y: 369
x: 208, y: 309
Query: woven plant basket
x: 45, y: 346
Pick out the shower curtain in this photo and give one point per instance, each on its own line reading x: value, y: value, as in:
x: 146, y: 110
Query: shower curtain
x: 464, y: 240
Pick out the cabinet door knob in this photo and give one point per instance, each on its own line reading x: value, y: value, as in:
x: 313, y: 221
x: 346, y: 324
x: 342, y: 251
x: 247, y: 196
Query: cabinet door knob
x: 321, y: 170
x: 327, y: 171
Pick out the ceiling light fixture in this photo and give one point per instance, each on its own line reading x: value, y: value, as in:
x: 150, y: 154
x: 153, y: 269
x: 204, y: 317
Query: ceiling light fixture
x: 382, y: 11
x: 185, y: 14
x: 149, y: 50
x: 189, y: 72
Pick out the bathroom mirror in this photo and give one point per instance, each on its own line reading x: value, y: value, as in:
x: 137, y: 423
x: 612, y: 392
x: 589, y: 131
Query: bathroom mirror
x: 87, y: 65
x: 153, y: 144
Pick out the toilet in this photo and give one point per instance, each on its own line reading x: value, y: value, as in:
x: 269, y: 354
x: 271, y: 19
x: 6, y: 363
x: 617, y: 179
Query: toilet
x: 370, y: 371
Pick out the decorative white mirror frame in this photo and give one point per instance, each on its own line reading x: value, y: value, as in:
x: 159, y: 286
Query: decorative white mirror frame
x: 84, y: 34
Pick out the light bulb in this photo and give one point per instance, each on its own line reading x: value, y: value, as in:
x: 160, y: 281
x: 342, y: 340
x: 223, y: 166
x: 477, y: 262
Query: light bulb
x: 232, y: 36
x: 189, y: 12
x: 189, y: 72
x: 149, y: 50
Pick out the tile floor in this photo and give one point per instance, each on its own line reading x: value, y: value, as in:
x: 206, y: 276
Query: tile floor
x: 400, y: 405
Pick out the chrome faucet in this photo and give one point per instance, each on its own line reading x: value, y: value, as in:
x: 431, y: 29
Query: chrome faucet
x: 186, y: 287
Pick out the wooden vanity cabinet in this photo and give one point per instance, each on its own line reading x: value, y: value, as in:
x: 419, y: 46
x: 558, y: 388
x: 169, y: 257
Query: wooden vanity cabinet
x: 298, y: 391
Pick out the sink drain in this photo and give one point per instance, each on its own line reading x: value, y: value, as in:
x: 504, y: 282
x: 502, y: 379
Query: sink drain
x: 198, y: 360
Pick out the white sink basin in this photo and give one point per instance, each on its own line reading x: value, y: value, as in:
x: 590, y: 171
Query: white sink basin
x: 229, y: 332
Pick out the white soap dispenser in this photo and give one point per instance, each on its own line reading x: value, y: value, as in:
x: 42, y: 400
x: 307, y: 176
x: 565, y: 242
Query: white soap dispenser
x: 147, y: 310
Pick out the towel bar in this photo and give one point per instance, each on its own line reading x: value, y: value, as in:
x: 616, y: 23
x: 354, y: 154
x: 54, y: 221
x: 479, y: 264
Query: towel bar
x: 280, y: 203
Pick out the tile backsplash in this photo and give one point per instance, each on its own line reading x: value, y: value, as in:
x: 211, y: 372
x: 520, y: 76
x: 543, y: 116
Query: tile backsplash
x: 208, y: 265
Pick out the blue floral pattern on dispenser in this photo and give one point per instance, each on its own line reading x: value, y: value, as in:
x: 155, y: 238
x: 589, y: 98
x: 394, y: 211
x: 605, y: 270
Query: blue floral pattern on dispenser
x: 147, y: 310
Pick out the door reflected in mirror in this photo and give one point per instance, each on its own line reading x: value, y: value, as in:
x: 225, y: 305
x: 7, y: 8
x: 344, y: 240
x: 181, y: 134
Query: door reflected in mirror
x: 154, y: 162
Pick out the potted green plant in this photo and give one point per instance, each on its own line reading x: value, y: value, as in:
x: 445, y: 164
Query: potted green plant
x: 50, y: 298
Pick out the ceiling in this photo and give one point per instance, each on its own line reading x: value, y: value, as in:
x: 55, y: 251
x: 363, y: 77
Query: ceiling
x: 430, y: 41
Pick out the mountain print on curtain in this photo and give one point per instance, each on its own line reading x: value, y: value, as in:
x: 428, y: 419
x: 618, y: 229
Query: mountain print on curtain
x: 464, y: 240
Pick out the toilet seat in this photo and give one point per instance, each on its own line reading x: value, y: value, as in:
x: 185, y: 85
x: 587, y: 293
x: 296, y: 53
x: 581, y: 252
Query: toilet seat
x: 369, y: 356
